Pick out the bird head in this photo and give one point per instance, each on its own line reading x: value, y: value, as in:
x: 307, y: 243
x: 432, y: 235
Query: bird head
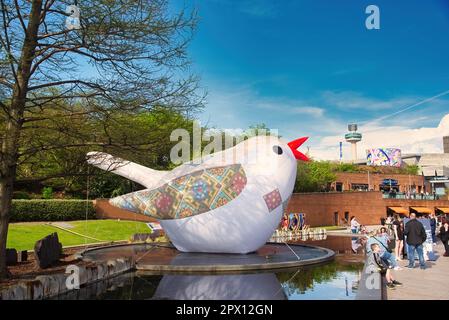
x: 268, y: 155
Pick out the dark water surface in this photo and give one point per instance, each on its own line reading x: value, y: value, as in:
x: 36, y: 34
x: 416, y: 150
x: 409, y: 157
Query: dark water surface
x: 334, y: 280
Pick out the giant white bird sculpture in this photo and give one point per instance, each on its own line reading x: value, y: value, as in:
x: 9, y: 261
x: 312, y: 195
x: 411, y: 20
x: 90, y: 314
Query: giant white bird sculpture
x: 229, y: 201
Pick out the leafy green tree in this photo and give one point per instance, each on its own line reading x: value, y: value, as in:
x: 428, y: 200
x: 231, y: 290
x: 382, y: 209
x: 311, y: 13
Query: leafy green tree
x: 60, y: 78
x: 314, y: 176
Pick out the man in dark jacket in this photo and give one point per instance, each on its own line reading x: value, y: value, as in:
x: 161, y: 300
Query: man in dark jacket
x: 416, y: 235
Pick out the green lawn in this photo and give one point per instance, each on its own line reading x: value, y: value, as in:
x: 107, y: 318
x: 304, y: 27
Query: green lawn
x: 23, y: 236
x: 329, y: 228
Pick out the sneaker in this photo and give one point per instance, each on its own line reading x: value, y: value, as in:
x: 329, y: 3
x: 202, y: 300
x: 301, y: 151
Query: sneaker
x: 397, y: 283
x: 397, y: 268
x: 390, y: 285
x: 423, y: 268
x: 410, y: 267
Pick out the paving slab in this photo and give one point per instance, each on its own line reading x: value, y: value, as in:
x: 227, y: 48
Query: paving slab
x: 429, y: 284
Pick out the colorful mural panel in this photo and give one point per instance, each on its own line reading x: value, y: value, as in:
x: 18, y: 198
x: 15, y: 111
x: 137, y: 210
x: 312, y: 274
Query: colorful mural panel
x: 384, y: 157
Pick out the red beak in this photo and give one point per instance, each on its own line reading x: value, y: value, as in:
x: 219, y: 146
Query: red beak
x: 294, y: 145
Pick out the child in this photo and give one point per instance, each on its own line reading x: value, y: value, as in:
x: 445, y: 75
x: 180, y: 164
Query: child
x: 375, y: 260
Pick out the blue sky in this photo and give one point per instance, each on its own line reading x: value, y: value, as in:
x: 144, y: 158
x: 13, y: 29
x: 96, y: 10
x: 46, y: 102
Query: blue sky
x: 309, y: 67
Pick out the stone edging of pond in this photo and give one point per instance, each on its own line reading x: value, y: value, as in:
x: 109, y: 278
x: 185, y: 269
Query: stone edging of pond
x: 372, y: 285
x: 48, y: 286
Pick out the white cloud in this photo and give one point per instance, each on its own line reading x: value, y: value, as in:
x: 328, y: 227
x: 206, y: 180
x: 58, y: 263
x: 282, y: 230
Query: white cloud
x: 308, y: 110
x: 409, y: 140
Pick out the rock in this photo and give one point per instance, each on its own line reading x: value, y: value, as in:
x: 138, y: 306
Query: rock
x: 11, y: 257
x: 111, y: 267
x: 16, y: 292
x: 33, y: 288
x: 92, y: 273
x: 50, y: 285
x: 47, y: 250
x: 61, y: 278
x: 5, y: 294
x: 102, y: 270
x: 83, y: 275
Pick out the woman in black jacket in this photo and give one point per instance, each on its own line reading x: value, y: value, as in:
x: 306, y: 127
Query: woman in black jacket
x: 444, y: 236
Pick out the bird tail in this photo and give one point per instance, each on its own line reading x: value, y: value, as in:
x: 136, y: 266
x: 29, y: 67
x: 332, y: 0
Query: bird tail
x: 130, y: 170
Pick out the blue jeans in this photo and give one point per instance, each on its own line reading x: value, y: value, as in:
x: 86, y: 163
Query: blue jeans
x: 411, y: 255
x: 389, y: 259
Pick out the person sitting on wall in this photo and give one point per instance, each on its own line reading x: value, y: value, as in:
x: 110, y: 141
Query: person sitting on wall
x: 377, y: 263
x: 382, y: 239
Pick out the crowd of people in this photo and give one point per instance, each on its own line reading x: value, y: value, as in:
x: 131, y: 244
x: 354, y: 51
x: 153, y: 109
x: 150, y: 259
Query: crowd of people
x: 411, y: 194
x: 385, y: 246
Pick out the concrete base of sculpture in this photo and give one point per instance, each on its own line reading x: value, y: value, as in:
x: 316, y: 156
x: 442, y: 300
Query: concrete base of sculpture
x: 163, y: 257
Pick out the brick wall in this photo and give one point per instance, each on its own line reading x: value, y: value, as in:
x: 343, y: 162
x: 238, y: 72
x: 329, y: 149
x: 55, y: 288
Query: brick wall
x: 375, y: 179
x: 106, y: 211
x: 368, y: 207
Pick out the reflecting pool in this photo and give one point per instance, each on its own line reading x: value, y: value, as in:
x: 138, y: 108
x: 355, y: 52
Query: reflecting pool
x: 333, y: 280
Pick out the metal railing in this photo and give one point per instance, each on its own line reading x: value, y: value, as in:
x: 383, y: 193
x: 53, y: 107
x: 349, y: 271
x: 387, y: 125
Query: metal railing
x: 405, y: 196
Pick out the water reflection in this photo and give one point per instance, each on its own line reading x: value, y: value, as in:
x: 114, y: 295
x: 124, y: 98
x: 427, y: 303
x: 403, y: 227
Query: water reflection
x: 329, y: 281
x: 220, y: 287
x: 299, y: 235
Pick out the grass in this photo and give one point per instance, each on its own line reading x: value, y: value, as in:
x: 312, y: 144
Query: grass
x: 23, y: 236
x: 329, y: 228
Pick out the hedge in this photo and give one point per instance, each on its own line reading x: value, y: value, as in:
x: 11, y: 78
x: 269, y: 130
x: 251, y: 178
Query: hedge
x: 51, y: 210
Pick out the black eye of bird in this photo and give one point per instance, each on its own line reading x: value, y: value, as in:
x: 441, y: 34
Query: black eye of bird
x: 277, y: 150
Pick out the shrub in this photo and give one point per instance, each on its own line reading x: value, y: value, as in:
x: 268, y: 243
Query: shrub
x: 47, y: 193
x: 20, y: 195
x: 51, y: 210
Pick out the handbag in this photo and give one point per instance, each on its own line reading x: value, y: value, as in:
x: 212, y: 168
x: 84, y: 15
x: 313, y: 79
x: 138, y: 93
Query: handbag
x: 386, y: 248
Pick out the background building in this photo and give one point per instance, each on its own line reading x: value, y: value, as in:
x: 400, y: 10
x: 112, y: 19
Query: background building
x: 353, y: 137
x: 336, y: 208
x: 446, y: 144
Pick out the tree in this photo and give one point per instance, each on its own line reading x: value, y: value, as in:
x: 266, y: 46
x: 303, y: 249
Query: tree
x: 59, y: 75
x: 314, y: 176
x: 66, y: 170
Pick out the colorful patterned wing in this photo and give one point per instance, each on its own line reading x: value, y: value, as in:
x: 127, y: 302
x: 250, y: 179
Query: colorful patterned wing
x: 188, y: 195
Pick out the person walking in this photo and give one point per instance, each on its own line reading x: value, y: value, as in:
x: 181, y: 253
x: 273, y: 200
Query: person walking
x: 433, y: 228
x: 416, y: 235
x: 444, y: 236
x: 354, y: 225
x: 398, y: 228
